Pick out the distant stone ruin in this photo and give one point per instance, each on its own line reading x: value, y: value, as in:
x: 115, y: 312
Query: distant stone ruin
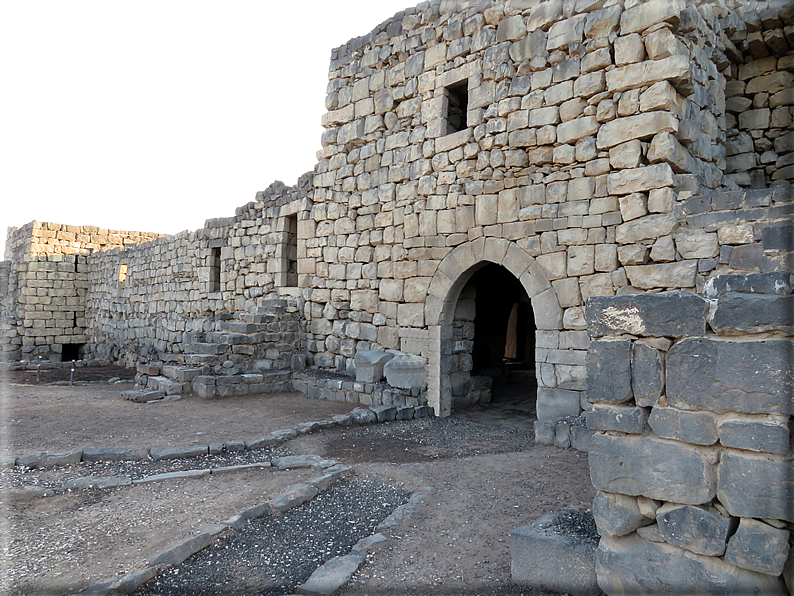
x: 596, y: 193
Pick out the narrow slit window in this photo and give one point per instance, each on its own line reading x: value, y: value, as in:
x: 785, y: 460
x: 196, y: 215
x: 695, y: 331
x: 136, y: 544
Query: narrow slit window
x: 122, y: 277
x: 215, y: 270
x: 457, y: 106
x: 291, y: 246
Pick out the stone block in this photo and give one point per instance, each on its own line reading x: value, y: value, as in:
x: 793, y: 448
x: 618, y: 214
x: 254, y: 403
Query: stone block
x: 563, y: 33
x: 625, y: 419
x: 646, y: 14
x: 369, y: 365
x: 676, y: 69
x: 758, y: 547
x: 641, y: 179
x: 573, y: 130
x: 158, y: 453
x: 647, y: 374
x: 655, y: 468
x: 699, y: 428
x: 778, y: 237
x: 406, y: 372
x: 641, y: 126
x: 673, y: 314
x: 749, y: 377
x: 511, y: 29
x: 600, y: 23
x: 609, y: 371
x: 557, y: 403
x: 764, y: 433
x: 667, y: 275
x: 114, y: 453
x: 617, y: 515
x: 46, y: 459
x: 756, y: 485
x: 631, y: 565
x: 737, y: 314
x: 545, y: 431
x: 545, y: 557
x: 533, y: 44
x: 696, y: 529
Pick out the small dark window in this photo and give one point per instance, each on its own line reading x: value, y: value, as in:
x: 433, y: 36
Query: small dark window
x: 215, y: 270
x: 71, y: 352
x: 457, y: 106
x: 123, y: 270
x: 291, y: 246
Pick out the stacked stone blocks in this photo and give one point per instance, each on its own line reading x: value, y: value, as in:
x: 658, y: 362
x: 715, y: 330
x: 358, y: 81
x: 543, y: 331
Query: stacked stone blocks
x: 692, y: 404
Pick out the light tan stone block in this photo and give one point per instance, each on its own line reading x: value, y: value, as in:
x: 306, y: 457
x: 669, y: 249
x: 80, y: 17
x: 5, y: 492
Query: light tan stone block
x: 650, y: 13
x: 580, y: 260
x: 696, y: 244
x: 645, y: 228
x: 680, y: 274
x: 677, y: 69
x: 632, y: 206
x: 641, y: 126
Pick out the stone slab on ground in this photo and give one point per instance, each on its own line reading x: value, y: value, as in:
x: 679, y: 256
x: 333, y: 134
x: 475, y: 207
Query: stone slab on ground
x: 97, y: 482
x: 546, y: 559
x: 41, y: 460
x: 158, y: 453
x: 331, y: 576
x: 114, y: 453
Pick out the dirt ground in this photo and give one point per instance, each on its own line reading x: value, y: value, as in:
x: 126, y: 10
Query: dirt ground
x: 37, y: 418
x: 456, y: 543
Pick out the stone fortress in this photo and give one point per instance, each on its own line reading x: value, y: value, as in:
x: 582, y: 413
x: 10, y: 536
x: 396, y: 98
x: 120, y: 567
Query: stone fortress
x: 594, y: 192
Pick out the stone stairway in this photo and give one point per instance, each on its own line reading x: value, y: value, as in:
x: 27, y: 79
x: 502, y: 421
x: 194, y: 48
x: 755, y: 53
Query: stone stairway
x: 249, y: 352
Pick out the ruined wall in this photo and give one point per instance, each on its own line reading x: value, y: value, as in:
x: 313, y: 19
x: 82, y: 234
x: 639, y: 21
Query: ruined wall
x: 191, y: 282
x: 47, y: 284
x: 692, y: 400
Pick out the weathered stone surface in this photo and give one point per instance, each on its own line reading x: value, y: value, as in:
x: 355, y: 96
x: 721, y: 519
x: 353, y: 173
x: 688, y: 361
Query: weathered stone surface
x: 767, y: 434
x: 533, y: 44
x: 699, y: 428
x: 777, y: 283
x: 645, y: 228
x: 178, y: 452
x: 291, y: 462
x: 180, y: 551
x: 46, y: 459
x: 696, y: 244
x: 556, y: 403
x: 609, y: 371
x: 694, y: 528
x: 369, y: 365
x: 676, y: 69
x: 756, y: 485
x: 647, y: 374
x: 573, y: 130
x: 654, y: 468
x: 641, y: 126
x: 666, y: 275
x: 630, y: 565
x: 641, y: 179
x: 406, y: 372
x: 114, y: 453
x: 548, y: 559
x: 384, y: 413
x: 780, y: 237
x: 295, y: 495
x: 625, y: 419
x: 749, y: 313
x: 617, y: 515
x: 673, y: 314
x: 750, y: 377
x: 97, y: 482
x: 332, y: 575
x: 173, y: 475
x: 758, y: 547
x: 649, y: 13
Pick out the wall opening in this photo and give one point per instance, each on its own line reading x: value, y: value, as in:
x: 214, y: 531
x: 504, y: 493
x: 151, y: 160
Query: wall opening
x: 215, y: 270
x: 71, y: 352
x: 493, y: 336
x: 291, y: 250
x: 456, y: 106
x: 122, y: 278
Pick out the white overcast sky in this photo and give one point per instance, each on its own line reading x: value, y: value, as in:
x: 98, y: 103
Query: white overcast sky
x: 155, y: 115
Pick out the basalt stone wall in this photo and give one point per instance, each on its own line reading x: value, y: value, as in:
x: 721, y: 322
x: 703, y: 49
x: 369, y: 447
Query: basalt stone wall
x: 191, y: 282
x: 692, y: 401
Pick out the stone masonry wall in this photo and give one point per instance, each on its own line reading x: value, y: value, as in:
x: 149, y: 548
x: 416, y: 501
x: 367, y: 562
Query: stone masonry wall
x: 692, y: 402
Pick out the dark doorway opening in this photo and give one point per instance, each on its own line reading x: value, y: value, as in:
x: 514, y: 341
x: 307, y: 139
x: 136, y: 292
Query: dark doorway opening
x: 457, y: 108
x: 292, y: 251
x: 504, y: 338
x: 215, y: 270
x: 71, y: 352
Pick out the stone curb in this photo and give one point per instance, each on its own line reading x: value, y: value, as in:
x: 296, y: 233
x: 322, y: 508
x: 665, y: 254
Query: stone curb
x: 336, y: 572
x: 179, y: 551
x: 360, y: 416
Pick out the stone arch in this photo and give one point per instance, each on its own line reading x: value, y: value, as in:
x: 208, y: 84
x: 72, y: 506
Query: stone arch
x: 454, y: 271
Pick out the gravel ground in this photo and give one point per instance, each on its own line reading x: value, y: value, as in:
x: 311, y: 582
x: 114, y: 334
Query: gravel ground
x: 272, y: 555
x: 55, y: 476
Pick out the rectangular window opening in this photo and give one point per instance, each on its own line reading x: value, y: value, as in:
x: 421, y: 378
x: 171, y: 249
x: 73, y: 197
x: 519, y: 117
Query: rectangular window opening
x: 71, y: 352
x: 122, y: 278
x: 215, y: 270
x: 291, y: 255
x: 457, y: 106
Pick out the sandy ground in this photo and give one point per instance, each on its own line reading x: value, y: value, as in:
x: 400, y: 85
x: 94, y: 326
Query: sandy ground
x: 456, y: 543
x: 37, y: 418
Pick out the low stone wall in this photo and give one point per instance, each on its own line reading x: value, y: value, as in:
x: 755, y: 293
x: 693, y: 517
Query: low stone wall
x: 337, y: 387
x: 692, y: 403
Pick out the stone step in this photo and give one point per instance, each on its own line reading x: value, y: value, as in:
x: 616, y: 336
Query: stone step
x: 164, y: 384
x: 183, y: 374
x: 241, y: 327
x: 200, y: 359
x: 209, y: 348
x: 142, y: 396
x: 248, y: 317
x: 241, y: 384
x: 225, y: 337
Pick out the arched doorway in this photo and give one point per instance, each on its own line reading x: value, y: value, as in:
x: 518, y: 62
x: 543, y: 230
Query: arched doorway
x: 502, y: 346
x: 451, y: 283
